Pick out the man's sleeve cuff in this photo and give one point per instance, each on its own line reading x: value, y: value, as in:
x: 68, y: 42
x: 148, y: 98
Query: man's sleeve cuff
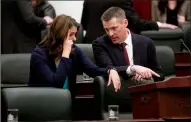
x: 128, y: 71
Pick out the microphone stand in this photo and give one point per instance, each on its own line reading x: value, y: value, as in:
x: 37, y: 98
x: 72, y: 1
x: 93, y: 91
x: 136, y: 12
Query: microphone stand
x: 187, y: 50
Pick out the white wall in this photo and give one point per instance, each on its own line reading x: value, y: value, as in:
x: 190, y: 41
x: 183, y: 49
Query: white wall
x: 72, y: 8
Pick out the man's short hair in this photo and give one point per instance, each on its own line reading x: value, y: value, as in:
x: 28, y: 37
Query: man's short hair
x: 113, y: 12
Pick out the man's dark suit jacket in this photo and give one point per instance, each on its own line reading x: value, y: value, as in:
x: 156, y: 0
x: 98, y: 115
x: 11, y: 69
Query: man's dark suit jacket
x: 43, y: 71
x: 93, y: 10
x: 111, y: 55
x: 20, y: 25
x: 44, y: 8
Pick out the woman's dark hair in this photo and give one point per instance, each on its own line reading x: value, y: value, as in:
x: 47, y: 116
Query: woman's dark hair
x: 53, y: 41
x: 163, y: 4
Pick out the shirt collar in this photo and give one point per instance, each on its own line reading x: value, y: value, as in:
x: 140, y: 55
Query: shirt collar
x: 128, y: 39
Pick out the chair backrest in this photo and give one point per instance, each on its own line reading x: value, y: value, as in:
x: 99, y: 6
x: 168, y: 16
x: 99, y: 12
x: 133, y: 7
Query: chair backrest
x: 87, y: 50
x: 39, y: 104
x: 15, y: 68
x: 80, y: 35
x: 166, y: 59
x: 166, y: 37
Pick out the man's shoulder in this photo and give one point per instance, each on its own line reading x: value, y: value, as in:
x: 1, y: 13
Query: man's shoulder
x: 141, y: 38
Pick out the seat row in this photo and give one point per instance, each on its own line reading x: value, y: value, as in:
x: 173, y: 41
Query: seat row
x: 52, y: 103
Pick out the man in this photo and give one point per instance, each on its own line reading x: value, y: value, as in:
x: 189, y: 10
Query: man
x: 93, y: 9
x: 19, y: 26
x: 137, y: 57
x: 132, y: 55
x: 43, y: 8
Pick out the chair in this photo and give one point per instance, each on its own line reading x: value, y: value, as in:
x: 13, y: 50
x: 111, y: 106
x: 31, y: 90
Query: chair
x: 39, y: 104
x: 166, y: 37
x: 45, y: 32
x: 166, y: 59
x: 87, y: 50
x: 15, y: 69
x: 186, y: 28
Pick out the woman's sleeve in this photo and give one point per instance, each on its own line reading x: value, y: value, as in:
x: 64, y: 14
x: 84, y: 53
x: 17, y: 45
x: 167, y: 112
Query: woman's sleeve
x: 89, y: 67
x: 55, y: 79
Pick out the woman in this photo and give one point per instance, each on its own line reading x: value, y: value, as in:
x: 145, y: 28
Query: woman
x: 171, y: 11
x: 56, y: 61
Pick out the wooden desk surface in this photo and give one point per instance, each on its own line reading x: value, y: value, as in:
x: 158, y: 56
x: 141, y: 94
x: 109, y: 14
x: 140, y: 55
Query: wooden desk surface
x: 134, y: 120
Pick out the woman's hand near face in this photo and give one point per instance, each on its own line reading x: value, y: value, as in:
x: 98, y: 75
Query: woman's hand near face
x: 67, y: 46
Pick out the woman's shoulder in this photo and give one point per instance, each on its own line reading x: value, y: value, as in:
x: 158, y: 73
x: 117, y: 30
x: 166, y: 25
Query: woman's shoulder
x: 39, y: 52
x: 78, y: 51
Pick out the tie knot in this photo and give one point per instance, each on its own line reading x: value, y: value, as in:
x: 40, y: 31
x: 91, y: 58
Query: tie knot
x: 123, y: 44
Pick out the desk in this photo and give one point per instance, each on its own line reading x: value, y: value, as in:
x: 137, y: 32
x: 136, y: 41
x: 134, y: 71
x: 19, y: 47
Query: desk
x: 167, y: 99
x: 134, y: 120
x: 183, y: 64
x: 85, y: 105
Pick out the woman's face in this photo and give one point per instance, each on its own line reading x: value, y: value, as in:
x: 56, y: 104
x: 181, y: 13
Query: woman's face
x: 72, y: 33
x: 172, y: 4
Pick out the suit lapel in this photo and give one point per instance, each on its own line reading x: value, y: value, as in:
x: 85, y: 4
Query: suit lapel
x: 136, y: 55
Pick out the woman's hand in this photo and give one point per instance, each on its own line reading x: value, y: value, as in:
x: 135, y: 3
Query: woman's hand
x: 181, y: 19
x: 67, y: 45
x: 114, y: 77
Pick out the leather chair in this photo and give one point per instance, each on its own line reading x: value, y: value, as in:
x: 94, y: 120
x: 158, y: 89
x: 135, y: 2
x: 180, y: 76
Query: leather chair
x: 186, y: 28
x: 14, y: 70
x: 87, y: 50
x: 38, y: 104
x: 166, y: 37
x: 166, y: 60
x: 44, y: 32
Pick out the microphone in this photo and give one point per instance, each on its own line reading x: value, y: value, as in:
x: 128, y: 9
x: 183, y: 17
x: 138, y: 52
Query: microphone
x: 185, y: 46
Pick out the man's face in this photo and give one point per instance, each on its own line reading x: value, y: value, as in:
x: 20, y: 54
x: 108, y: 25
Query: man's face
x: 34, y: 2
x: 116, y: 29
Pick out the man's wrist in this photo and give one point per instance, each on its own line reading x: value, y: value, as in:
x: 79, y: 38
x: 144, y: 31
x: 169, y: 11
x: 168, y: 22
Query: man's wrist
x: 132, y: 69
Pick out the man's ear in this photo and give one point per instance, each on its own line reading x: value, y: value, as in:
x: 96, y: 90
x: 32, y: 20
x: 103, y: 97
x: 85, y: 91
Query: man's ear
x: 126, y: 22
